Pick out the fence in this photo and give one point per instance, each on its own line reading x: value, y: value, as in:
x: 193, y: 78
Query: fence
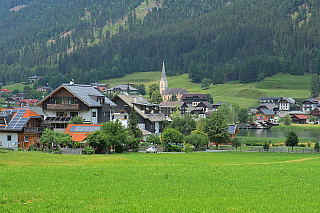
x: 284, y: 149
x: 71, y: 151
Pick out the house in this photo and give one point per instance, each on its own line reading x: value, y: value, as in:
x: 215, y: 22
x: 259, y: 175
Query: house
x: 43, y: 89
x: 301, y: 119
x: 79, y: 132
x: 34, y: 78
x: 193, y: 99
x: 13, y: 100
x: 270, y: 106
x: 216, y: 106
x: 316, y: 112
x: 122, y: 89
x: 274, y: 100
x: 27, y: 102
x: 168, y: 94
x: 19, y: 128
x: 70, y: 100
x: 100, y: 87
x: 284, y: 103
x: 207, y: 107
x: 149, y: 115
x: 309, y: 105
x: 167, y: 108
x: 265, y: 114
x: 5, y: 91
x: 233, y: 130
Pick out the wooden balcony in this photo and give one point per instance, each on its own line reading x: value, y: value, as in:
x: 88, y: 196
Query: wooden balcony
x: 63, y: 106
x: 34, y: 129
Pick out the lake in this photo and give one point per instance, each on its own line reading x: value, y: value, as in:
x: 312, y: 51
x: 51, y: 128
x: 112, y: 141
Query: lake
x: 268, y: 133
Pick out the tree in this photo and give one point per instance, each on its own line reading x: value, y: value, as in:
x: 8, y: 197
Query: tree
x: 47, y: 138
x: 209, y: 98
x: 76, y: 120
x: 292, y: 139
x: 225, y: 111
x: 134, y: 131
x: 197, y: 140
x: 153, y: 139
x: 313, y: 119
x: 317, y: 146
x: 243, y: 115
x: 235, y: 142
x: 156, y: 97
x: 205, y: 83
x: 314, y: 87
x: 128, y: 89
x: 142, y: 89
x: 152, y: 88
x: 170, y: 136
x: 287, y: 120
x: 217, y: 128
x: 115, y: 132
x: 100, y: 142
x: 184, y: 125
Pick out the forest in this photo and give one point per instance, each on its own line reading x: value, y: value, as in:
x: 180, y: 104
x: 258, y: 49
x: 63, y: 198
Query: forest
x: 223, y: 40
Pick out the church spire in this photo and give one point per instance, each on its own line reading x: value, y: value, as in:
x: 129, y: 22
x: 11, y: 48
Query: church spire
x: 163, y: 81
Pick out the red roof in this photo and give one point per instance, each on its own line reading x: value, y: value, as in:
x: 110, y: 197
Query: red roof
x: 79, y: 136
x: 301, y: 117
x: 6, y: 90
x: 29, y: 101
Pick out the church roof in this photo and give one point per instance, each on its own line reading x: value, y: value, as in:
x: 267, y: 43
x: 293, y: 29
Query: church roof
x: 174, y: 91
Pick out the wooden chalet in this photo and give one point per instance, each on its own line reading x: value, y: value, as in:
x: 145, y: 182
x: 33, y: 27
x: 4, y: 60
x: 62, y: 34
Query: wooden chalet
x: 301, y: 119
x: 316, y: 112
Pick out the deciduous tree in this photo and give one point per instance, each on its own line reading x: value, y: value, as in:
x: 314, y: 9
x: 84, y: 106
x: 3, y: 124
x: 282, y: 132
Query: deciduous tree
x: 292, y: 139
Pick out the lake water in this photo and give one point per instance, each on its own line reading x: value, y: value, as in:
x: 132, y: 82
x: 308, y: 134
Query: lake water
x: 269, y: 133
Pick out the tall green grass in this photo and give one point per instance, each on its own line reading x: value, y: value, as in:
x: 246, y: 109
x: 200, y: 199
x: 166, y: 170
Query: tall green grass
x: 140, y: 182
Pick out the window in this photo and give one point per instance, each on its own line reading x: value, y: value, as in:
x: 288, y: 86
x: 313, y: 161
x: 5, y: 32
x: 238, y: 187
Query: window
x: 1, y: 122
x: 59, y: 114
x: 8, y: 137
x: 125, y: 117
x: 73, y: 114
x: 58, y: 101
x: 112, y: 117
x: 26, y: 138
x: 94, y: 114
x: 71, y: 101
x: 105, y: 114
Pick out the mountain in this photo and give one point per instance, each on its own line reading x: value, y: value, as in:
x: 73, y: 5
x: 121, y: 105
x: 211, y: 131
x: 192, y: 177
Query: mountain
x: 223, y: 40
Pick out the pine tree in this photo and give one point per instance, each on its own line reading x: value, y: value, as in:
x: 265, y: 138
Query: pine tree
x: 135, y: 132
x: 314, y: 87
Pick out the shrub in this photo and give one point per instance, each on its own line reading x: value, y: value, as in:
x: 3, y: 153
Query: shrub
x: 20, y: 149
x: 30, y: 148
x: 119, y: 148
x: 302, y: 145
x: 187, y: 147
x: 317, y: 146
x: 176, y: 148
x: 88, y: 150
x: 266, y: 145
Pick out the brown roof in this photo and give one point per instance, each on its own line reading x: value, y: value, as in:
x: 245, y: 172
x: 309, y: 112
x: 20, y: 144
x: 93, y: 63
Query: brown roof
x: 201, y: 96
x: 301, y: 117
x: 171, y: 104
x: 174, y: 91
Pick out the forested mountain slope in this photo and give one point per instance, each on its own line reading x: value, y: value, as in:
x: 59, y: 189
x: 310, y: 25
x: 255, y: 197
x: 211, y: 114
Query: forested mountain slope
x: 223, y: 40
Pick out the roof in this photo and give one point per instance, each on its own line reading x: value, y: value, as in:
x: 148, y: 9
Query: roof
x: 29, y: 101
x: 233, y: 129
x: 83, y: 93
x: 129, y: 100
x: 171, y: 104
x: 145, y: 132
x: 163, y: 74
x: 301, y: 117
x: 270, y: 106
x: 16, y: 119
x: 206, y: 103
x: 267, y: 112
x: 174, y: 91
x: 314, y: 101
x: 201, y: 96
x: 270, y: 98
x: 79, y: 131
x: 220, y: 104
x: 5, y: 90
x: 35, y: 109
x: 122, y: 88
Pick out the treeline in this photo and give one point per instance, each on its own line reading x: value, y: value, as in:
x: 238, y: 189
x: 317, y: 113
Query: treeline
x: 222, y: 40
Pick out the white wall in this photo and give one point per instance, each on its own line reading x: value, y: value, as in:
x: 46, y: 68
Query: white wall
x: 9, y: 144
x: 94, y: 120
x: 157, y: 126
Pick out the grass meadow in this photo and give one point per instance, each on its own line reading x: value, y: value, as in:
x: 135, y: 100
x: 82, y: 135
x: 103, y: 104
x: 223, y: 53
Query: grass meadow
x: 163, y: 182
x: 246, y: 95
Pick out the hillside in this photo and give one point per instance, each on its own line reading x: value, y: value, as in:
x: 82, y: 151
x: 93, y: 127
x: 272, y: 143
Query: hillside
x: 223, y: 40
x: 246, y: 95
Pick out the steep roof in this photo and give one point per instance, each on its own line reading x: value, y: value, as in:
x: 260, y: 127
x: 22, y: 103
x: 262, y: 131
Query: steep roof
x: 82, y: 92
x: 129, y: 100
x: 301, y: 117
x: 206, y: 103
x: 29, y: 101
x: 171, y: 104
x: 16, y: 119
x: 5, y: 91
x: 163, y: 74
x: 233, y: 129
x: 267, y: 112
x: 174, y: 91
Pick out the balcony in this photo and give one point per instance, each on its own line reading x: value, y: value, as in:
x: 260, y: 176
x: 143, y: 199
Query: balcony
x: 63, y: 106
x: 34, y: 129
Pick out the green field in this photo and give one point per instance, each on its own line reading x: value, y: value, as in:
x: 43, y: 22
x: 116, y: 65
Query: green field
x: 17, y: 86
x: 140, y: 182
x: 246, y: 95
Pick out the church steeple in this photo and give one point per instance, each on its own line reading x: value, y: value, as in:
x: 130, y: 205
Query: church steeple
x: 163, y: 81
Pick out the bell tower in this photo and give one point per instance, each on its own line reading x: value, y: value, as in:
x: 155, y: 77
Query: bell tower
x: 163, y: 81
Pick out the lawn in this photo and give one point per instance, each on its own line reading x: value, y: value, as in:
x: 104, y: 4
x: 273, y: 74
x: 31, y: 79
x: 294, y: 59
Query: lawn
x: 246, y: 95
x: 140, y: 182
x: 17, y: 86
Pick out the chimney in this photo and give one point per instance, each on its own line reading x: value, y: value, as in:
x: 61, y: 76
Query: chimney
x: 72, y: 82
x: 140, y: 98
x: 135, y: 100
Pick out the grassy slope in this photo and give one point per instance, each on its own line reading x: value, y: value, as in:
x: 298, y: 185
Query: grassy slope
x: 139, y: 182
x: 245, y: 94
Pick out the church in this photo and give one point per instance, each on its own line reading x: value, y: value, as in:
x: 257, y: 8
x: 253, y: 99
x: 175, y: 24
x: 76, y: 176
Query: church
x: 169, y: 94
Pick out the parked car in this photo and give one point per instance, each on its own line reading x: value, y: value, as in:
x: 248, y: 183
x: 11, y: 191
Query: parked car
x: 151, y: 149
